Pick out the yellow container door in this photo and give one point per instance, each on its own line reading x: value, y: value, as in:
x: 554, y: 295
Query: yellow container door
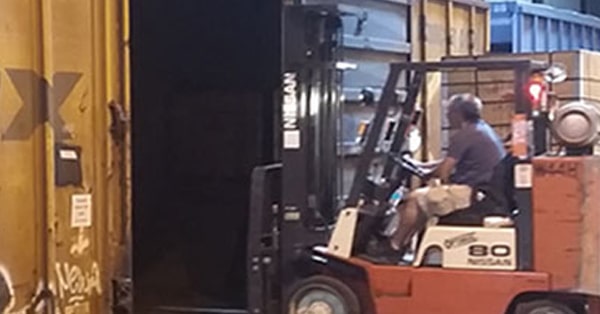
x: 64, y: 184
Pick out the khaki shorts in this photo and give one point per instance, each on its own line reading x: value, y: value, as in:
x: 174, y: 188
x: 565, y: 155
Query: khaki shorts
x: 442, y: 200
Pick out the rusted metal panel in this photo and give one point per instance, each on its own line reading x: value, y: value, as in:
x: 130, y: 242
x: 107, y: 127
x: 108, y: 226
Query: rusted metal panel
x: 63, y: 184
x: 565, y: 198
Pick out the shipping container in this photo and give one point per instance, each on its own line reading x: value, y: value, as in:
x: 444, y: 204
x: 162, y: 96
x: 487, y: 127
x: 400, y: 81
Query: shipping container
x: 563, y: 4
x: 528, y: 27
x: 383, y: 37
x: 375, y: 33
x: 445, y: 28
x: 63, y: 189
x: 495, y: 88
x: 591, y: 7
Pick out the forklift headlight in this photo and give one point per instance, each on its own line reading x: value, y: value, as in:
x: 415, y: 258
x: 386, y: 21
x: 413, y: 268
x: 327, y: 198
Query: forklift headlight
x: 577, y: 124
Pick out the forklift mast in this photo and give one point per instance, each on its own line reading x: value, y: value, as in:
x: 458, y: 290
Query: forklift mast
x: 294, y: 203
x: 310, y: 114
x: 310, y: 125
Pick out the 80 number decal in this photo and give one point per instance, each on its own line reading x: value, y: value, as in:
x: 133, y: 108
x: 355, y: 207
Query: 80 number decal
x: 499, y: 250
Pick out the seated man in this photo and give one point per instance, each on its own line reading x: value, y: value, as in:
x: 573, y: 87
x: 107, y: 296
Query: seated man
x: 474, y: 151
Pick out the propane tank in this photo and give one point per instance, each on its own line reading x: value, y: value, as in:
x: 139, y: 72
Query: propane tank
x: 577, y: 124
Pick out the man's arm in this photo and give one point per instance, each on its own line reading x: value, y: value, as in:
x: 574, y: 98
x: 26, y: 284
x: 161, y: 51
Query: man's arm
x: 444, y: 170
x: 458, y: 146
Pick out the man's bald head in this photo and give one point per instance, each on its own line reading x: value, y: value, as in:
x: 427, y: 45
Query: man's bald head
x: 464, y: 108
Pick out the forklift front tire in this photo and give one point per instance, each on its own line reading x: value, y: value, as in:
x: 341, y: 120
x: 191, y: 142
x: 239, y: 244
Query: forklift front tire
x: 322, y: 294
x: 543, y: 307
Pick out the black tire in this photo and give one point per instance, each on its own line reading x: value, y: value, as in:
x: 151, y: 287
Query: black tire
x: 543, y: 307
x: 322, y: 291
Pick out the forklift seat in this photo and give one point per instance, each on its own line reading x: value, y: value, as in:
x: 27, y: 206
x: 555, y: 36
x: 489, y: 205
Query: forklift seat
x: 493, y: 199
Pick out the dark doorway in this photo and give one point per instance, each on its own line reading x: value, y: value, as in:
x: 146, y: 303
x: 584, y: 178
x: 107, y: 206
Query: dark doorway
x: 205, y: 75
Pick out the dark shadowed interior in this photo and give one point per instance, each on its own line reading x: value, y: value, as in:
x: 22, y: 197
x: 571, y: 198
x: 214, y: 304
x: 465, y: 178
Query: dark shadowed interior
x: 205, y: 76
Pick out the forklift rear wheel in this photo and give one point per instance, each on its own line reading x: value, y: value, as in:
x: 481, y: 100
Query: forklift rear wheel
x: 543, y: 307
x: 322, y: 295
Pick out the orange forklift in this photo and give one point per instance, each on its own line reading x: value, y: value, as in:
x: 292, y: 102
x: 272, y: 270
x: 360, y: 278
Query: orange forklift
x: 535, y: 245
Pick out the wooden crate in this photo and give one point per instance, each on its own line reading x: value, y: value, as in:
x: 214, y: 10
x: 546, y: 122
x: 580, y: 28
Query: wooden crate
x: 495, y: 87
x: 451, y: 27
x: 579, y: 64
x: 583, y: 74
x: 495, y: 92
x: 461, y: 77
x: 585, y: 88
x: 500, y: 114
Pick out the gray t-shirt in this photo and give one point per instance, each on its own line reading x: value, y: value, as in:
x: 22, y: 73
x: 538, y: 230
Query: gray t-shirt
x: 477, y: 149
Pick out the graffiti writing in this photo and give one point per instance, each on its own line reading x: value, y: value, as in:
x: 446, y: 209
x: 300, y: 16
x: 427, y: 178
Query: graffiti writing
x: 80, y: 245
x: 77, y: 308
x: 76, y: 284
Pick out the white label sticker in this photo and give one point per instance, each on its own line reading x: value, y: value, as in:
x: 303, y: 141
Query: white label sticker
x: 68, y: 154
x: 81, y: 210
x: 523, y: 176
x: 291, y: 139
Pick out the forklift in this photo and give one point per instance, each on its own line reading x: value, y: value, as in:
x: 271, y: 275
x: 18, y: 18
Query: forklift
x: 538, y: 252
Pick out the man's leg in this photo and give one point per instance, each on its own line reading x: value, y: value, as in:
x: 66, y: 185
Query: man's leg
x: 412, y: 219
x: 414, y: 214
x: 427, y: 202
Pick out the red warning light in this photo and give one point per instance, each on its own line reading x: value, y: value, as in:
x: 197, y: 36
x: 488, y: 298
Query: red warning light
x: 536, y: 89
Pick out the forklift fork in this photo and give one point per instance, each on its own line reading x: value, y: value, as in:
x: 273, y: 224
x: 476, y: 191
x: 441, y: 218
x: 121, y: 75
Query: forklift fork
x: 263, y: 235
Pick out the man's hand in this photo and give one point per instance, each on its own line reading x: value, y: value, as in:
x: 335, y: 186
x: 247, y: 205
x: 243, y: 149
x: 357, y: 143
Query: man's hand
x: 444, y: 170
x: 429, y: 173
